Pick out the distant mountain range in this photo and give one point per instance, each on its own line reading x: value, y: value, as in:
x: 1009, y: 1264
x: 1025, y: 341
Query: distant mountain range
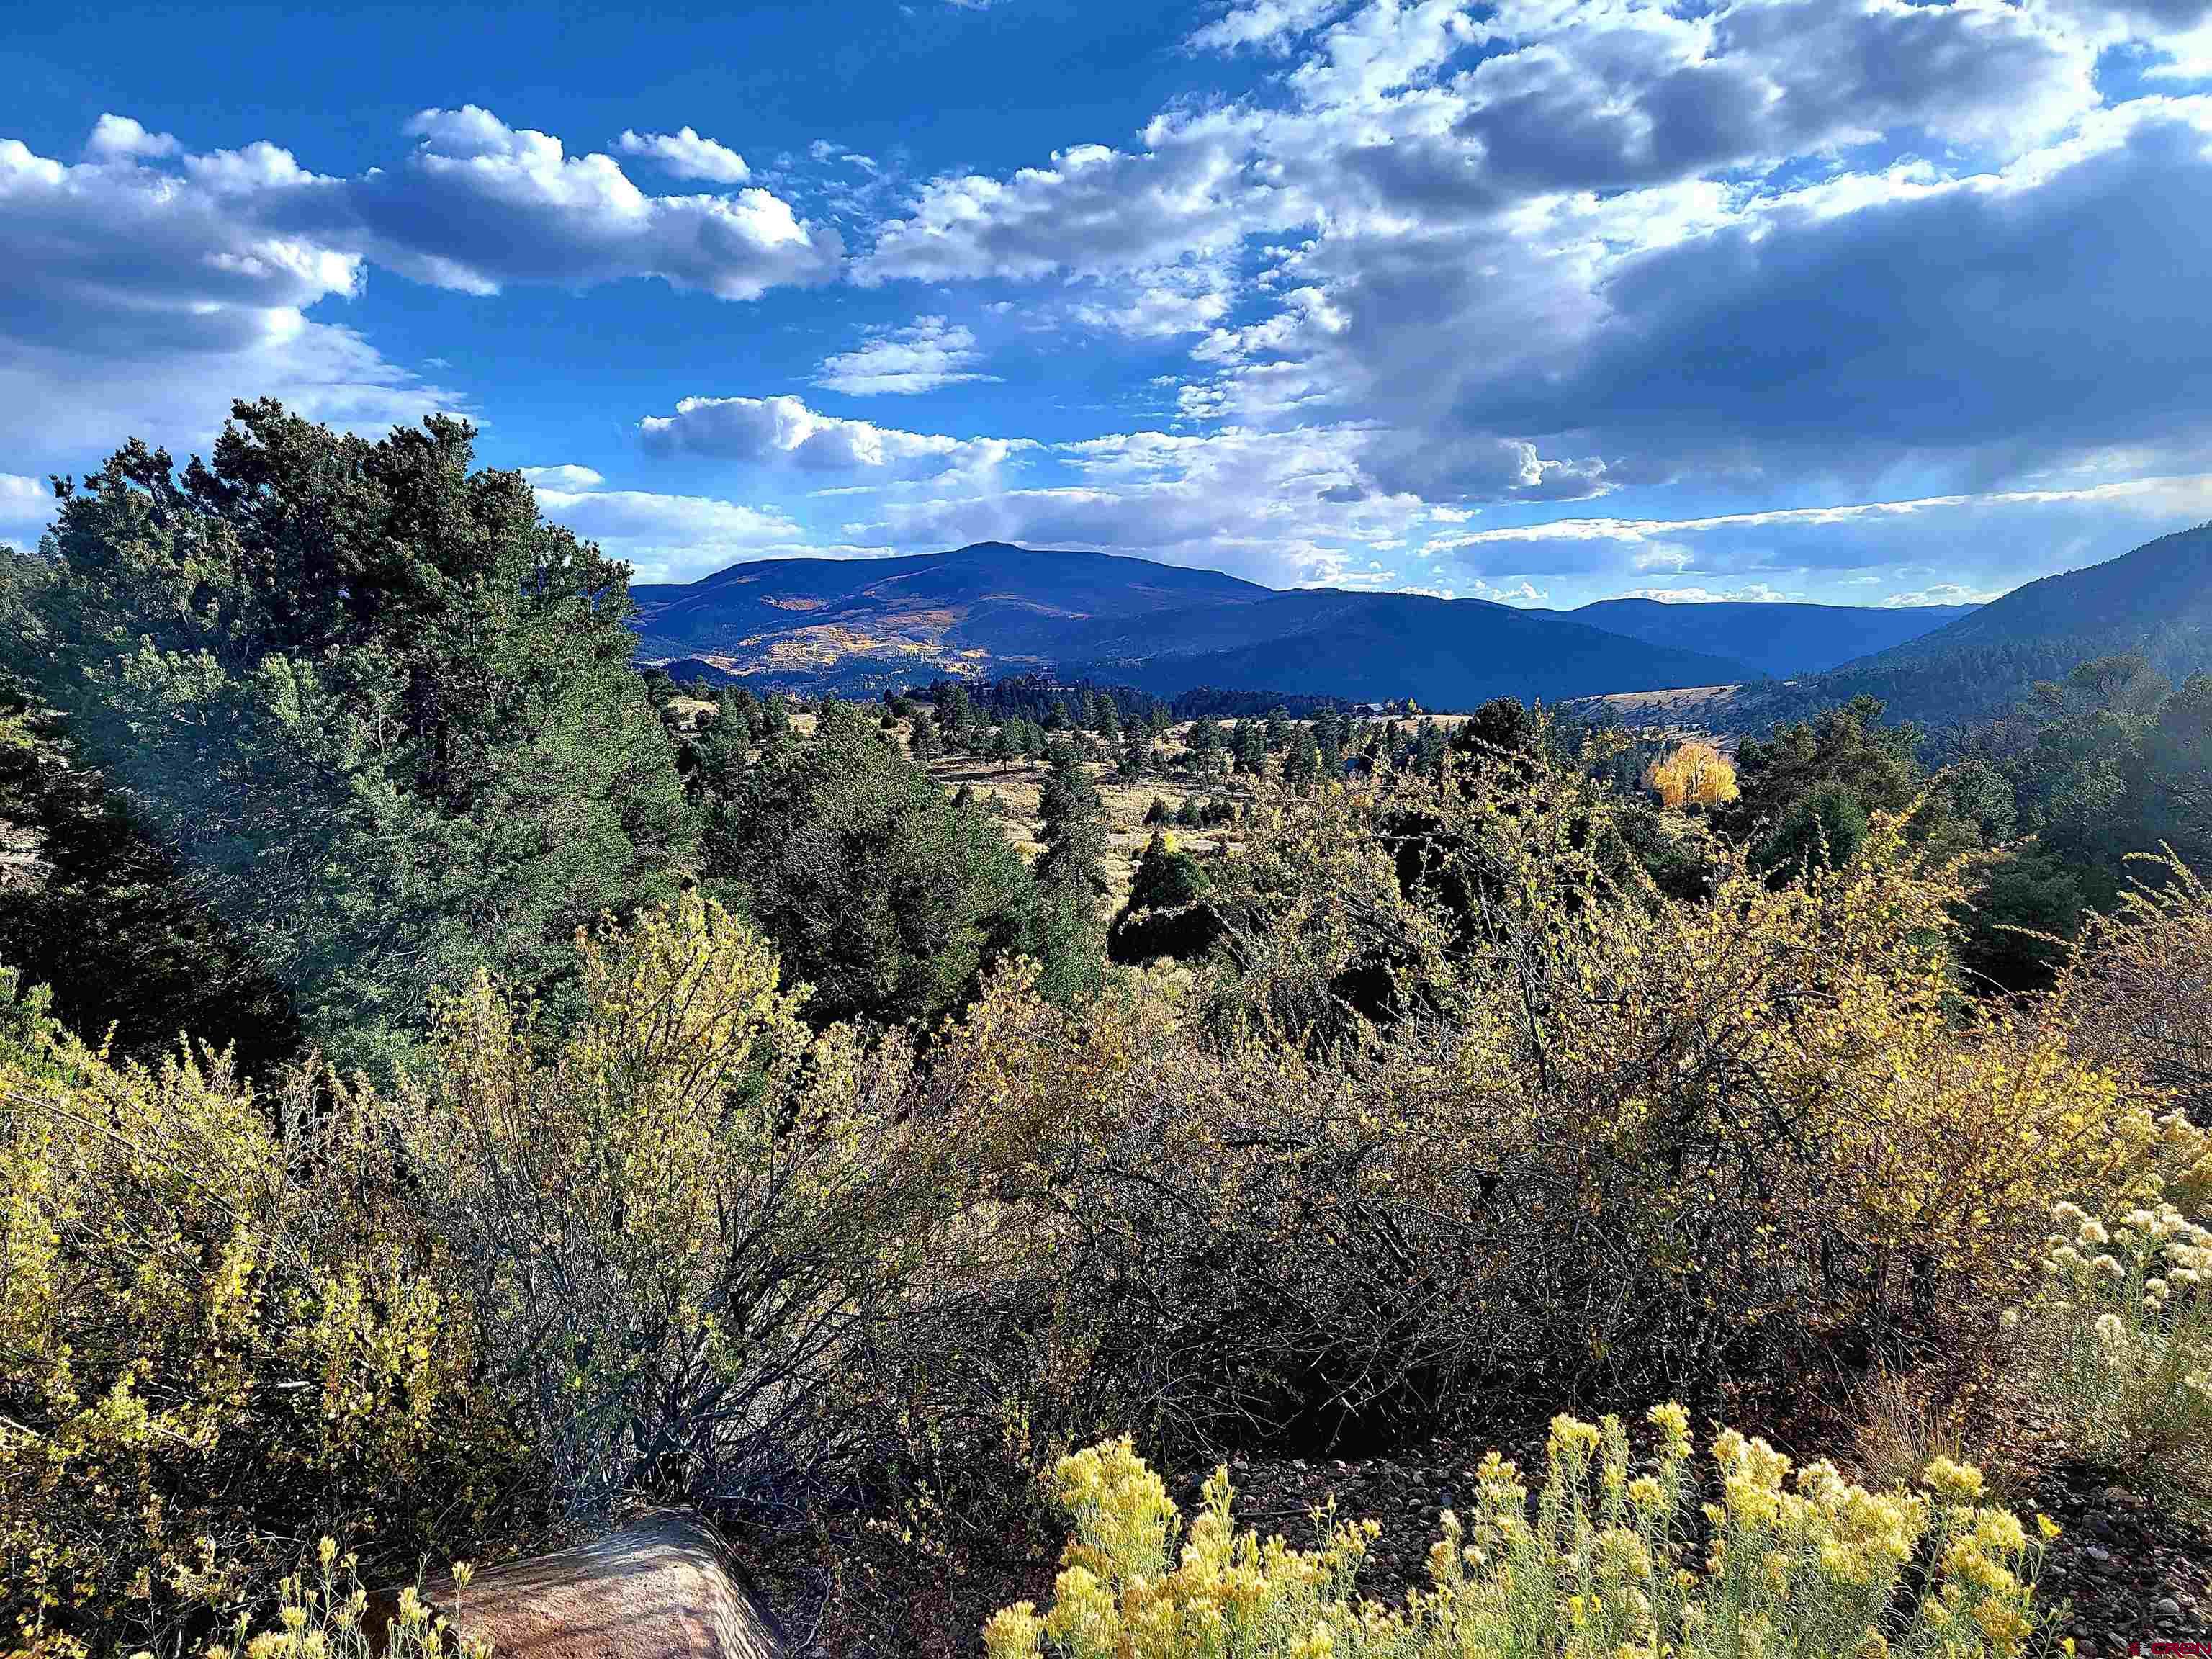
x: 864, y: 625
x: 2155, y: 602
x: 1775, y: 639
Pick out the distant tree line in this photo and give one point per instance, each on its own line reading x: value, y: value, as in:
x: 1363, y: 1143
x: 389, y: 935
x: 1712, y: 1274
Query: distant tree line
x: 1043, y: 698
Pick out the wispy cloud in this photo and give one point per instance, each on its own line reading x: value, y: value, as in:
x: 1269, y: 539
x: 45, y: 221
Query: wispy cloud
x: 924, y: 355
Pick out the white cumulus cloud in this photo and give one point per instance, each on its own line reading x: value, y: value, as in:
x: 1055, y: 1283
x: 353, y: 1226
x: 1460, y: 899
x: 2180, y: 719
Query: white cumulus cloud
x: 149, y: 282
x: 784, y: 432
x: 687, y: 155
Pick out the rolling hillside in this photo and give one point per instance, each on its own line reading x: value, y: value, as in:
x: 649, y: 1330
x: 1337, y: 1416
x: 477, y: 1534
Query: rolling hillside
x: 2156, y: 601
x: 1445, y: 653
x: 824, y: 625
x: 859, y: 626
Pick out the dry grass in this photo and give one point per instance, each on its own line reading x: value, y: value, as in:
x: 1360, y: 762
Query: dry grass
x: 1018, y: 784
x: 1900, y: 1427
x: 1693, y: 715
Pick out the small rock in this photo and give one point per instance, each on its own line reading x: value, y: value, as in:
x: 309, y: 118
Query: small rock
x: 2166, y: 1607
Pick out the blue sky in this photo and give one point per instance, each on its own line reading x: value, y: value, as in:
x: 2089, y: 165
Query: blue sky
x: 1870, y: 302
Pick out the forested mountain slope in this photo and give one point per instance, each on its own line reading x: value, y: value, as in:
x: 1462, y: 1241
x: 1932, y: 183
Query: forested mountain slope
x: 1780, y: 640
x: 2155, y: 602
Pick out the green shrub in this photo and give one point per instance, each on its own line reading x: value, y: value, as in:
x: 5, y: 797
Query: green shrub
x: 881, y: 893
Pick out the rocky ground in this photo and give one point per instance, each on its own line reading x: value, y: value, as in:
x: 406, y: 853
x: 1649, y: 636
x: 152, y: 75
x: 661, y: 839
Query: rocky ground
x: 2131, y: 1579
x: 2130, y: 1575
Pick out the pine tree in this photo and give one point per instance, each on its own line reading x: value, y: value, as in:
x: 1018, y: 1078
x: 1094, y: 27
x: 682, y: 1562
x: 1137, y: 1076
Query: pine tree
x: 953, y: 713
x: 1251, y: 748
x: 1429, y: 749
x: 1070, y: 874
x: 1204, y: 746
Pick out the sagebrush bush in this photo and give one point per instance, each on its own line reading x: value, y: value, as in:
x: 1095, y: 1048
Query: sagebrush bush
x: 1607, y: 1561
x: 2121, y: 1343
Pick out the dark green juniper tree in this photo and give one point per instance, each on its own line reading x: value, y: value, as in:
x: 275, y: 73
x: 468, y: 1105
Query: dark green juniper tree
x: 96, y: 910
x: 886, y: 895
x: 1167, y: 914
x: 380, y: 712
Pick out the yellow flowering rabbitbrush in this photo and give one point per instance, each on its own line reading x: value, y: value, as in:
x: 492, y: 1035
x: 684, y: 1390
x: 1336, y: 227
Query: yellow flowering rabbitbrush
x: 1601, y: 1565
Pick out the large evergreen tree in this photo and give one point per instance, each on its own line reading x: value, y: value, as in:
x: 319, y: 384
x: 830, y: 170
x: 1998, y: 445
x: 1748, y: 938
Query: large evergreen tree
x: 381, y: 712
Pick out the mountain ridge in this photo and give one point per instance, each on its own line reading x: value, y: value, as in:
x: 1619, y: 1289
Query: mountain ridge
x: 1778, y: 638
x: 859, y: 626
x: 2154, y: 601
